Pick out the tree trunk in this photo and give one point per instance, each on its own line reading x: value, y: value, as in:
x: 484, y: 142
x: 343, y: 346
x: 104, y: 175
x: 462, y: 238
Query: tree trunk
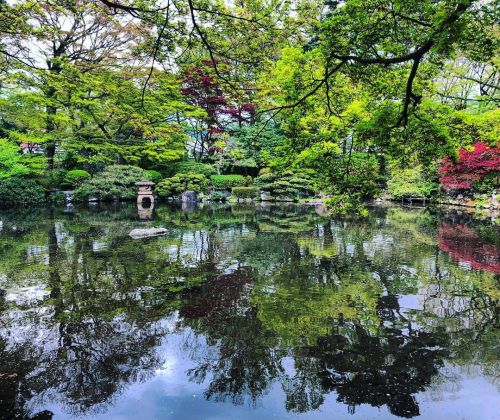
x: 51, y: 109
x: 50, y: 148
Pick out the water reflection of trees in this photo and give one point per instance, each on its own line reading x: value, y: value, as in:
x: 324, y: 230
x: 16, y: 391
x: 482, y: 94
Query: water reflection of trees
x: 465, y: 245
x: 278, y: 296
x: 100, y: 323
x: 330, y: 300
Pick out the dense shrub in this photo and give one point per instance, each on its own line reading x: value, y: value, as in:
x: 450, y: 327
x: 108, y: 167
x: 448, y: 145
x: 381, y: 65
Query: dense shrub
x: 245, y: 192
x: 154, y: 176
x: 176, y: 185
x: 358, y: 173
x: 57, y: 198
x: 288, y: 184
x: 53, y: 179
x: 226, y: 182
x: 16, y: 191
x: 218, y: 196
x: 116, y: 182
x: 348, y: 172
x: 191, y: 167
x: 75, y: 178
x: 409, y: 183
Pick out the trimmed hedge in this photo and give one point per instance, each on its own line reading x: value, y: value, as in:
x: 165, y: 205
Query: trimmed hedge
x: 75, y: 178
x: 20, y: 192
x: 171, y: 187
x: 287, y: 184
x: 226, y: 182
x: 218, y: 196
x: 245, y: 192
x: 154, y: 176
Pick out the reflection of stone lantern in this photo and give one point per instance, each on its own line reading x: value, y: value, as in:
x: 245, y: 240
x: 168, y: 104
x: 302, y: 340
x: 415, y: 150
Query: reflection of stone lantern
x: 145, y: 199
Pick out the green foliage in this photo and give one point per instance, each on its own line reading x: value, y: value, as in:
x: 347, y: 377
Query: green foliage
x: 57, y: 198
x: 74, y: 178
x: 116, y: 182
x: 249, y: 148
x: 337, y: 87
x: 179, y: 183
x: 356, y: 172
x: 218, y: 196
x: 226, y: 182
x: 52, y: 179
x: 10, y: 160
x: 410, y: 182
x: 291, y: 184
x: 362, y: 173
x: 190, y: 166
x: 488, y: 184
x: 15, y: 191
x: 244, y: 192
x: 154, y: 176
x: 346, y: 205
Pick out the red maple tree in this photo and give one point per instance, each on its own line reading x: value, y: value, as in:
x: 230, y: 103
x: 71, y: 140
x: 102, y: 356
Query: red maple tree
x: 223, y: 106
x: 471, y: 167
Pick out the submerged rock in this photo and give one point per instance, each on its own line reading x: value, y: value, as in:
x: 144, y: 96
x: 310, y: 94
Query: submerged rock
x: 145, y: 233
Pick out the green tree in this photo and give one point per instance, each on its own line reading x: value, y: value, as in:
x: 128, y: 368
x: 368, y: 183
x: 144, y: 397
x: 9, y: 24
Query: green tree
x: 10, y: 160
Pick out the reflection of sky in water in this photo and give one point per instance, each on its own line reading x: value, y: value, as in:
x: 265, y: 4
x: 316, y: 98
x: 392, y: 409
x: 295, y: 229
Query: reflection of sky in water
x: 169, y: 396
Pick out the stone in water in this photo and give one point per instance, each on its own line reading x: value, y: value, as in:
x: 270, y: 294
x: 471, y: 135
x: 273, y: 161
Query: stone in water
x: 145, y: 233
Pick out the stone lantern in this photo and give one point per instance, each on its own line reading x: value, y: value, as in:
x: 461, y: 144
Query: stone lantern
x: 145, y: 199
x: 146, y: 192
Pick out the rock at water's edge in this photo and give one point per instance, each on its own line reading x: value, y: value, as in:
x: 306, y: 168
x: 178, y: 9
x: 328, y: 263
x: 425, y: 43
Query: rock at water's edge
x: 189, y: 197
x: 145, y: 233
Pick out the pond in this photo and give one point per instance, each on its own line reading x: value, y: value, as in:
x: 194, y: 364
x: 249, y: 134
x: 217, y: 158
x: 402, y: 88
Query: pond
x: 244, y: 312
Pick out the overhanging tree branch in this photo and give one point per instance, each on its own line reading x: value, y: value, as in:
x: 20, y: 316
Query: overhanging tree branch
x: 415, y: 56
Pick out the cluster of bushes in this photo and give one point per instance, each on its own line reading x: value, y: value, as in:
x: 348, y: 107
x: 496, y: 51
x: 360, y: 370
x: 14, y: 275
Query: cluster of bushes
x: 245, y: 192
x: 75, y: 178
x: 218, y: 196
x: 16, y: 191
x: 191, y: 167
x: 154, y: 176
x: 181, y: 182
x: 409, y: 183
x: 199, y: 182
x: 289, y: 184
x: 226, y: 182
x: 62, y: 179
x: 116, y: 182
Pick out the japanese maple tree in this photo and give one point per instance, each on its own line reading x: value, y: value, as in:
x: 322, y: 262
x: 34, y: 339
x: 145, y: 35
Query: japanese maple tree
x: 223, y: 106
x: 471, y: 167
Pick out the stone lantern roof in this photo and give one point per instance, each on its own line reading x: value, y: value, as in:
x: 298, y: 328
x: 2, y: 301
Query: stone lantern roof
x: 144, y: 183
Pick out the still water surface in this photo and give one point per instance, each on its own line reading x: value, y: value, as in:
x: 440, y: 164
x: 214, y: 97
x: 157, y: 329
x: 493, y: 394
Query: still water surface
x: 248, y: 312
